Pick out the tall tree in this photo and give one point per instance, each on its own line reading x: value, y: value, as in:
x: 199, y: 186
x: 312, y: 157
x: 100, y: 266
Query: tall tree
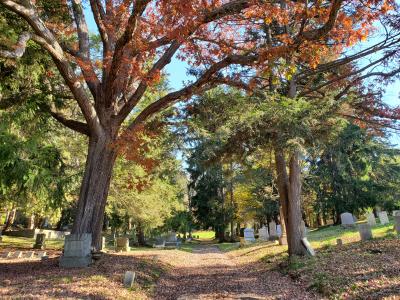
x: 211, y: 34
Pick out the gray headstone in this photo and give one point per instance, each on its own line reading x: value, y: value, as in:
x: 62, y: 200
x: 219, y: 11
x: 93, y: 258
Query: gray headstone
x: 371, y: 219
x: 308, y: 247
x: 103, y: 243
x: 40, y: 242
x: 159, y: 242
x: 263, y: 234
x: 279, y: 230
x: 365, y: 231
x: 272, y: 230
x: 129, y: 279
x: 383, y: 217
x: 77, y: 251
x: 249, y: 235
x: 396, y: 213
x: 29, y: 254
x: 347, y: 219
x: 171, y: 237
x: 122, y: 244
x: 397, y: 223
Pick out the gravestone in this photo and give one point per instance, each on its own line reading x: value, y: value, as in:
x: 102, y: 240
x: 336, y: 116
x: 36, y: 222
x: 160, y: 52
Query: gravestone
x: 397, y: 223
x: 122, y: 244
x: 129, y: 279
x: 383, y: 217
x: 371, y: 219
x: 263, y: 234
x: 279, y: 230
x: 347, y: 219
x: 29, y: 254
x: 18, y: 254
x: 40, y: 242
x: 171, y: 241
x: 77, y: 251
x: 273, y: 235
x: 365, y: 231
x: 249, y: 235
x: 159, y: 243
x: 307, y: 245
x: 42, y: 255
x: 396, y: 213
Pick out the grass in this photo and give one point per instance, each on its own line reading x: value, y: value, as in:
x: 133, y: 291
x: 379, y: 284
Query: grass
x: 204, y: 234
x: 27, y: 243
x: 227, y: 247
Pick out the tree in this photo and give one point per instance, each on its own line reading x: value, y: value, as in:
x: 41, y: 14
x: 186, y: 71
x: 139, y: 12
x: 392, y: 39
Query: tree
x: 213, y: 34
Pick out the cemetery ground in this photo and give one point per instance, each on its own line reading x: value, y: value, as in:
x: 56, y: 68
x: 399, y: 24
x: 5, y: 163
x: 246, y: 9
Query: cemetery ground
x: 203, y: 269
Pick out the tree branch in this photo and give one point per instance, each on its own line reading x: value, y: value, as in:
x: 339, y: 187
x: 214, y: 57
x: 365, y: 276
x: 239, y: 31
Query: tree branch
x: 72, y: 124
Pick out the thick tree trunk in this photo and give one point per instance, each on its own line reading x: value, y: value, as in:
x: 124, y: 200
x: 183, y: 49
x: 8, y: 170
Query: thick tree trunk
x: 294, y: 225
x: 94, y: 189
x: 290, y: 199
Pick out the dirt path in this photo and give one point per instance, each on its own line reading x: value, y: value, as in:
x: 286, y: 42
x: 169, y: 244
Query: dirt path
x: 208, y: 273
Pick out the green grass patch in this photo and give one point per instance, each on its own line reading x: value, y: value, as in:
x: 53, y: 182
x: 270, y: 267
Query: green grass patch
x: 204, y: 234
x: 27, y: 243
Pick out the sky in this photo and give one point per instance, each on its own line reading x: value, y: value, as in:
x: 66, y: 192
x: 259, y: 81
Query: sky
x: 177, y: 71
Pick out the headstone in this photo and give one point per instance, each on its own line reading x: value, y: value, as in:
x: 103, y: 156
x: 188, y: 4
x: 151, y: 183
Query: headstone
x: 308, y: 247
x: 40, y: 242
x: 129, y: 279
x: 77, y: 251
x: 279, y: 230
x: 272, y: 231
x: 263, y: 234
x: 365, y: 231
x: 397, y: 223
x: 29, y: 254
x: 122, y: 244
x: 159, y: 243
x: 347, y: 219
x: 18, y: 254
x: 42, y: 255
x: 396, y: 213
x: 339, y: 242
x: 371, y: 219
x: 249, y: 235
x: 383, y: 217
x: 171, y: 240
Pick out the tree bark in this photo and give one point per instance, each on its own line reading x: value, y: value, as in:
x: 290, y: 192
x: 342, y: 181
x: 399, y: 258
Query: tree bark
x: 94, y: 189
x: 294, y: 225
x: 10, y: 219
x: 140, y: 235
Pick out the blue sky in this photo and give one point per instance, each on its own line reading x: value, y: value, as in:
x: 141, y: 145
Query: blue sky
x: 177, y: 71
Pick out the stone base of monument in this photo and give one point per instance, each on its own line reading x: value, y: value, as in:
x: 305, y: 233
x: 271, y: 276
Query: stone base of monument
x: 77, y: 251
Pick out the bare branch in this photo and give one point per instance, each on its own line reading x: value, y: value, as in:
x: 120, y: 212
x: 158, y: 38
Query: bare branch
x: 19, y: 48
x: 72, y: 124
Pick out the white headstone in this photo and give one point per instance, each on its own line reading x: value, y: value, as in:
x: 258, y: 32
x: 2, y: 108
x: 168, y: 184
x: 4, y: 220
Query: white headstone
x: 383, y: 217
x: 272, y: 230
x: 249, y: 235
x: 347, y: 219
x: 396, y: 213
x: 263, y: 234
x: 371, y: 219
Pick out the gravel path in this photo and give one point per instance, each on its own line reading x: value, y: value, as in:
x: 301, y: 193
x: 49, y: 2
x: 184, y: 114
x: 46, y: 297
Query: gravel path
x: 208, y: 273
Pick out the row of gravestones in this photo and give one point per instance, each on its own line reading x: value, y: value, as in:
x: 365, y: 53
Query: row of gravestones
x: 24, y: 255
x: 274, y: 232
x: 348, y: 220
x: 364, y: 229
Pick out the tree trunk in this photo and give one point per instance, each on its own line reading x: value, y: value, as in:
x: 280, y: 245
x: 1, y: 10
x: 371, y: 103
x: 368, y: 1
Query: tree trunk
x: 290, y: 199
x: 140, y: 235
x: 94, y: 189
x: 31, y: 222
x: 10, y: 219
x: 294, y: 225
